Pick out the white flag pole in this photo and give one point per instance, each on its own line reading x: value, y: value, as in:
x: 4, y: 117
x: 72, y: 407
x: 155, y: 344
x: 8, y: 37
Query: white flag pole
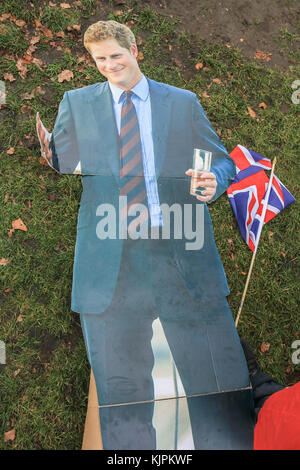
x: 261, y: 224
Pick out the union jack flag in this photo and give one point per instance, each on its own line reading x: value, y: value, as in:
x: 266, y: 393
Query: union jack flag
x: 246, y: 193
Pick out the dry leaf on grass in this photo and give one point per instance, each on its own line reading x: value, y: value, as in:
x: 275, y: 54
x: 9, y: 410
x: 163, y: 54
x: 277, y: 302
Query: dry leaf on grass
x: 10, y: 435
x: 18, y: 224
x: 20, y: 23
x: 265, y: 347
x: 263, y: 56
x: 251, y: 112
x: 42, y: 161
x: 65, y: 75
x: 3, y: 261
x: 35, y: 39
x: 47, y: 32
x: 22, y: 67
x: 9, y: 76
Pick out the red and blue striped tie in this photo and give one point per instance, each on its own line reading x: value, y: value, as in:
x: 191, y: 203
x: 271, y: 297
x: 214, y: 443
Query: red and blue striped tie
x: 131, y: 162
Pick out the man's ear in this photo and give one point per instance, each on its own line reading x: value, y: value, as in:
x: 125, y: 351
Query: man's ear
x: 134, y: 50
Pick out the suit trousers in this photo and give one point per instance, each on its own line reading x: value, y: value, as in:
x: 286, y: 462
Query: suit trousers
x: 201, y: 336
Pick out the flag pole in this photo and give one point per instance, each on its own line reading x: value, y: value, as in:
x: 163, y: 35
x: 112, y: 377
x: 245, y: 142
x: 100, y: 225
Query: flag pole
x: 261, y: 223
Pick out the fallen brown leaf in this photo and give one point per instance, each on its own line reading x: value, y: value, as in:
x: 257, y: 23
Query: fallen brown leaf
x: 265, y: 347
x: 27, y: 58
x: 262, y: 105
x: 263, y: 56
x: 37, y: 23
x: 22, y: 67
x: 65, y: 5
x: 16, y: 372
x: 20, y: 318
x: 65, y: 75
x: 199, y: 66
x: 35, y: 39
x: 3, y: 261
x: 251, y: 112
x: 10, y: 435
x: 217, y: 80
x: 39, y: 63
x: 140, y: 56
x: 31, y: 49
x: 47, y: 32
x: 9, y: 76
x: 11, y: 151
x: 20, y: 23
x: 5, y: 16
x: 19, y: 225
x: 42, y: 161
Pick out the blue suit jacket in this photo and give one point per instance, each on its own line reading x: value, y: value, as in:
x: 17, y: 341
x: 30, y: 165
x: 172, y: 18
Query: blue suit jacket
x: 85, y: 131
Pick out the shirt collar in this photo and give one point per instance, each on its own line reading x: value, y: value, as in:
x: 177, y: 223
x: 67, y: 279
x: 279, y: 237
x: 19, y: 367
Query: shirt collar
x: 141, y: 89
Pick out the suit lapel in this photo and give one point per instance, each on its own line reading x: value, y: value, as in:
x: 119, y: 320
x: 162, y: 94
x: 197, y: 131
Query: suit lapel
x: 160, y: 111
x: 102, y: 109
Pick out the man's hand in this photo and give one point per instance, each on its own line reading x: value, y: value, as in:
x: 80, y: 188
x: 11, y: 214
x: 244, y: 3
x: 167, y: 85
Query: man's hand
x: 44, y: 138
x: 204, y: 179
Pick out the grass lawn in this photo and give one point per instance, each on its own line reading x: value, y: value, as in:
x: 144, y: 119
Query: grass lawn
x: 44, y: 385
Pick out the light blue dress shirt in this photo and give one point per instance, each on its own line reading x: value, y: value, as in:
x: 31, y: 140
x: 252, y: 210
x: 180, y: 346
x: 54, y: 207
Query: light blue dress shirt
x: 142, y: 104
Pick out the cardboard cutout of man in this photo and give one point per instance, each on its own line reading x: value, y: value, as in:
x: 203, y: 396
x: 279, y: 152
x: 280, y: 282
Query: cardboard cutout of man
x: 145, y: 248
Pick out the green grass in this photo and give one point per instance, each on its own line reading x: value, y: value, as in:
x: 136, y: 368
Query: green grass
x: 44, y: 385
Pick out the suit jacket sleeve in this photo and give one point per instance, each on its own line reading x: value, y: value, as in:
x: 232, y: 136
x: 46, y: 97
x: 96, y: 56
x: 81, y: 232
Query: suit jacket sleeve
x: 206, y: 138
x: 63, y: 143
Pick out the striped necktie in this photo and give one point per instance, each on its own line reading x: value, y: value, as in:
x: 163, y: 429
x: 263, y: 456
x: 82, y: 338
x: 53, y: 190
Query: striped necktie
x: 131, y: 162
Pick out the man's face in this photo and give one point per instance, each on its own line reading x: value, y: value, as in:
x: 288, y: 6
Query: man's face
x: 116, y: 63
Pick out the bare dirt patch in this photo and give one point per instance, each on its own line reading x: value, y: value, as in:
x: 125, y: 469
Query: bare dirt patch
x: 271, y: 27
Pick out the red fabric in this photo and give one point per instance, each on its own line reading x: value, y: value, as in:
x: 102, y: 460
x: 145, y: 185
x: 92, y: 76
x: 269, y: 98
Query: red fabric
x: 278, y: 424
